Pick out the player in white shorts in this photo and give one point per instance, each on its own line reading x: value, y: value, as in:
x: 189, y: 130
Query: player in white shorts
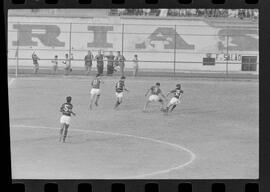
x: 66, y: 110
x: 155, y: 96
x: 175, y: 100
x: 119, y: 91
x: 95, y: 91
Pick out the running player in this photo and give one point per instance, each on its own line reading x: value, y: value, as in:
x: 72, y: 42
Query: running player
x: 178, y: 92
x: 119, y: 89
x: 95, y: 91
x: 155, y: 96
x: 66, y: 110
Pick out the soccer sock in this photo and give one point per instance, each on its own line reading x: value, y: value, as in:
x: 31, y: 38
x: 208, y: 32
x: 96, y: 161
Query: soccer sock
x: 173, y: 107
x: 117, y: 104
x: 61, y: 133
x: 65, y: 133
x: 97, y: 100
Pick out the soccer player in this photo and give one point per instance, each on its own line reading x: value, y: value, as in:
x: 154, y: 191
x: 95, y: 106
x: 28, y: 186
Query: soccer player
x: 120, y: 61
x: 88, y: 62
x: 119, y: 89
x: 155, y: 96
x: 110, y: 63
x: 95, y: 91
x: 67, y: 62
x: 135, y: 65
x: 35, y: 59
x: 66, y: 110
x: 100, y: 62
x: 55, y: 64
x: 178, y: 92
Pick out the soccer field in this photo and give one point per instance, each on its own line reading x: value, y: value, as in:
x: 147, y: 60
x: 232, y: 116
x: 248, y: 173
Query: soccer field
x: 212, y: 134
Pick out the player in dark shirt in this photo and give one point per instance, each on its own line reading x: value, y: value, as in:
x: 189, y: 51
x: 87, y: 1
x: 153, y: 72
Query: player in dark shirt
x: 110, y: 63
x: 88, y: 62
x: 177, y: 94
x: 66, y: 110
x: 119, y: 89
x: 100, y: 64
x: 155, y: 96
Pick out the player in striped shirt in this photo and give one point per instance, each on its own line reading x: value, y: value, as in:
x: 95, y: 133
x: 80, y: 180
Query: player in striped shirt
x: 175, y: 100
x: 155, y: 96
x: 95, y: 91
x: 66, y: 110
x: 119, y: 91
x: 35, y: 59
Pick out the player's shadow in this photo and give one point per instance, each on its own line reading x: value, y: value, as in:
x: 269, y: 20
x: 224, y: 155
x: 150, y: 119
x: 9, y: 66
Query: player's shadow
x: 193, y: 111
x: 75, y: 139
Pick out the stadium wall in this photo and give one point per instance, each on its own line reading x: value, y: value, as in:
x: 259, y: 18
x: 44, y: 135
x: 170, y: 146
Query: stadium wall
x: 161, y: 44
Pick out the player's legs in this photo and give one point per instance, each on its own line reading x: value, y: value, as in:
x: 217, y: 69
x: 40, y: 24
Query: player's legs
x: 92, y: 97
x: 86, y: 69
x: 89, y: 69
x: 172, y: 108
x: 97, y: 98
x: 146, y: 104
x: 119, y: 99
x: 172, y: 104
x: 161, y: 103
x: 65, y: 132
x: 61, y: 131
x: 35, y: 68
x: 152, y: 98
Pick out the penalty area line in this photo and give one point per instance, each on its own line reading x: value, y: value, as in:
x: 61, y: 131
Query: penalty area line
x: 178, y: 147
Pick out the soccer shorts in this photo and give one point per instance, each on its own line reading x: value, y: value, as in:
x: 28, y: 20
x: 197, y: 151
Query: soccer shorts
x: 174, y: 101
x: 95, y: 91
x: 65, y: 119
x: 154, y: 98
x: 119, y: 95
x: 36, y: 66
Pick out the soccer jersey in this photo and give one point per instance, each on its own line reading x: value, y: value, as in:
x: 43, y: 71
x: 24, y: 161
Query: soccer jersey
x: 66, y: 109
x: 96, y: 83
x: 120, y: 85
x: 99, y: 59
x: 88, y: 59
x: 110, y: 59
x: 35, y: 59
x: 120, y: 60
x: 155, y: 90
x: 177, y: 92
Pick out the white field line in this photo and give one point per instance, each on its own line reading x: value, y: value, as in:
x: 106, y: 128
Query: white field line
x: 11, y: 81
x: 178, y: 147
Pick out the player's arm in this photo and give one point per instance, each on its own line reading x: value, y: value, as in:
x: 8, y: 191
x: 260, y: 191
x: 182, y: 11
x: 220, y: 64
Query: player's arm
x: 126, y: 89
x: 170, y: 92
x: 181, y: 93
x: 161, y: 93
x: 73, y: 113
x: 62, y: 108
x: 147, y: 92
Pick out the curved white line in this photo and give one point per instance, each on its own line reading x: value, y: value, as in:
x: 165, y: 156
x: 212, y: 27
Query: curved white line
x: 11, y: 81
x: 192, y: 155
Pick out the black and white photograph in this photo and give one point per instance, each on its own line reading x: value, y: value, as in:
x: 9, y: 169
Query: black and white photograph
x: 133, y: 93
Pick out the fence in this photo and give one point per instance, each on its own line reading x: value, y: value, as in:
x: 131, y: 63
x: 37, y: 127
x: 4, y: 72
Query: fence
x: 172, y: 47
